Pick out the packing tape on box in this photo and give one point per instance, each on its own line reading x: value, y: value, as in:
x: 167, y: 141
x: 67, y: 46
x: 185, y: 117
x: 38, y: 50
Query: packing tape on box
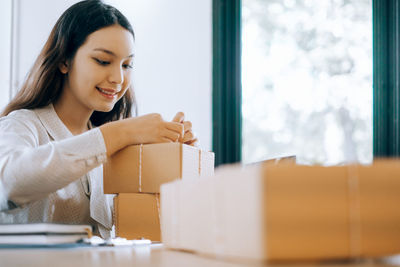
x: 158, y: 207
x: 199, y: 161
x: 140, y: 166
x: 354, y: 211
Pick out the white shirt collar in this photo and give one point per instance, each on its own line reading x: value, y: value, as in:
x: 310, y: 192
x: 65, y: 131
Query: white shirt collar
x: 52, y: 123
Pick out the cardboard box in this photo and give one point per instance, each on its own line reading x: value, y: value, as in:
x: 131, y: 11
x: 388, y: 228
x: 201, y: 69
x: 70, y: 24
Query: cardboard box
x: 286, y: 212
x: 278, y: 160
x: 136, y: 216
x: 144, y: 168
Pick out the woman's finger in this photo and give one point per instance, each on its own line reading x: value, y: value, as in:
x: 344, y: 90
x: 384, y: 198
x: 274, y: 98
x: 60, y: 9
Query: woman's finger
x: 187, y: 126
x: 171, y: 135
x: 193, y: 142
x: 188, y: 136
x: 175, y: 126
x: 179, y: 117
x: 165, y: 140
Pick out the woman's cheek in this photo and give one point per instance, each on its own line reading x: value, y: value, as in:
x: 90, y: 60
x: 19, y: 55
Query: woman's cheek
x: 123, y: 92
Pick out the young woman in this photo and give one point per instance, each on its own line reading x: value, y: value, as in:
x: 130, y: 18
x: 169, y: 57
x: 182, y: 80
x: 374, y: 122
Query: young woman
x: 73, y: 111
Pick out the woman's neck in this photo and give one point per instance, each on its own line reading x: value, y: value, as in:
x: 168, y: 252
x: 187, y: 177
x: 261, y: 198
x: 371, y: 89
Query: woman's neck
x: 75, y: 117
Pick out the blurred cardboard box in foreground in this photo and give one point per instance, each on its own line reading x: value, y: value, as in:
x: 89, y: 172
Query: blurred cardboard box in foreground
x: 143, y: 168
x: 136, y: 216
x: 278, y: 160
x: 286, y: 212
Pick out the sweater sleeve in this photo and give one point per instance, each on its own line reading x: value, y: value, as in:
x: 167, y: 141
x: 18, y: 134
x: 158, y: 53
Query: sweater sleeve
x: 29, y: 171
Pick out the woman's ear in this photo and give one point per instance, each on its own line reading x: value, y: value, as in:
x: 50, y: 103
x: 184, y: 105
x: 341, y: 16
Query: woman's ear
x: 63, y: 66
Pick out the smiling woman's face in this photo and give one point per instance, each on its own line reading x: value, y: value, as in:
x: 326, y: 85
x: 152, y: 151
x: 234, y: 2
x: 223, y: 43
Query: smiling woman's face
x: 100, y: 72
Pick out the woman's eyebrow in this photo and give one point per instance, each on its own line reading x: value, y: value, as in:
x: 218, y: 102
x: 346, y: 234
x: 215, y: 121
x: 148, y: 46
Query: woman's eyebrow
x: 109, y: 52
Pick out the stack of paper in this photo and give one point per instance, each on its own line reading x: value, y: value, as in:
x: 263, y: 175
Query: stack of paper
x: 42, y: 234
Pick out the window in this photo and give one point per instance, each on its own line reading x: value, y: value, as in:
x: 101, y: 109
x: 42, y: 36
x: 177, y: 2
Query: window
x: 307, y: 80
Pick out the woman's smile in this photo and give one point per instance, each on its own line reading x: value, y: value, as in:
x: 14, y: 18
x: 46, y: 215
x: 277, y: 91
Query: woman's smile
x: 108, y: 93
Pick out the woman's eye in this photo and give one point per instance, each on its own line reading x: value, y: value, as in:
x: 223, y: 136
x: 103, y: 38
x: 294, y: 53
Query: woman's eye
x: 102, y: 62
x: 127, y: 66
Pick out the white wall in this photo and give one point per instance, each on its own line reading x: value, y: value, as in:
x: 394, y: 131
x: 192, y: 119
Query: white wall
x: 5, y: 52
x: 173, y: 67
x: 35, y: 20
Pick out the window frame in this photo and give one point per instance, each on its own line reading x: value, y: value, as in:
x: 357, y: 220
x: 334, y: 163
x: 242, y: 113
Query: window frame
x: 227, y: 89
x: 386, y: 78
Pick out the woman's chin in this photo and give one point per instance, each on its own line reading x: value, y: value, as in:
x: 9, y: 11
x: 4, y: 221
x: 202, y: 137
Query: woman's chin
x: 104, y: 109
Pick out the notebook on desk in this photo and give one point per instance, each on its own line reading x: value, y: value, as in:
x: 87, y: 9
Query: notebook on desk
x: 42, y: 234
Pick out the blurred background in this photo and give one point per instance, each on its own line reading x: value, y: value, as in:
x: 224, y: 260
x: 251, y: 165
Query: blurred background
x: 306, y: 70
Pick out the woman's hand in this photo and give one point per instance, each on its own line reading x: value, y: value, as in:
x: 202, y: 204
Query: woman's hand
x: 147, y: 129
x: 152, y: 128
x: 189, y: 137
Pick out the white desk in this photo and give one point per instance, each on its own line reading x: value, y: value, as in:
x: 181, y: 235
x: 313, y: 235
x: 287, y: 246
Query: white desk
x: 146, y: 255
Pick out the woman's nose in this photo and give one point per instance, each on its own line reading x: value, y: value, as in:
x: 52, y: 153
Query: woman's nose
x: 116, y: 75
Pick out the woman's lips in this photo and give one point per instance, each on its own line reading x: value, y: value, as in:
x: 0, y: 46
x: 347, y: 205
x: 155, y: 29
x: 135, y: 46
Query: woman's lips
x: 108, y: 93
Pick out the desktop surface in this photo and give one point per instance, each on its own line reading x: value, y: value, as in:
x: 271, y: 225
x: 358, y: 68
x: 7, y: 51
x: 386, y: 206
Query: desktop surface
x: 144, y: 255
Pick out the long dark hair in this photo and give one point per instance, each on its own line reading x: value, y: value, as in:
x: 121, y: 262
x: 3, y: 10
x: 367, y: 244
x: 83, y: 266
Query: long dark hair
x: 44, y: 82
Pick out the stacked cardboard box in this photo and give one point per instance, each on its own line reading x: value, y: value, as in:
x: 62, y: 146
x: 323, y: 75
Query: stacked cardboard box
x: 136, y: 216
x: 286, y: 212
x: 136, y: 173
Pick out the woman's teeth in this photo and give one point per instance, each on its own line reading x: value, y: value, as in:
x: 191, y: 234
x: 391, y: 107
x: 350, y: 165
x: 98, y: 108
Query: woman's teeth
x: 105, y: 92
